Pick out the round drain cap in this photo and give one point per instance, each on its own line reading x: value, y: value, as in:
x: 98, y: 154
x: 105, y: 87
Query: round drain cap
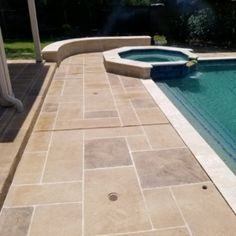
x: 204, y: 187
x: 113, y: 197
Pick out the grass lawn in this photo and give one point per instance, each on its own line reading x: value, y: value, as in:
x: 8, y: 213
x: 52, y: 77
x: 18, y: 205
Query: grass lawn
x: 16, y: 49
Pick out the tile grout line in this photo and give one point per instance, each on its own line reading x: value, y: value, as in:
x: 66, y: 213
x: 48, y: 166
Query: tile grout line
x: 41, y: 205
x: 161, y: 149
x: 144, y: 231
x: 131, y: 104
x: 31, y: 221
x: 114, y: 100
x: 140, y: 186
x: 50, y: 140
x: 144, y: 132
x: 83, y: 189
x: 83, y: 81
x: 47, y: 183
x: 98, y: 127
x: 108, y: 168
x: 112, y: 136
x: 178, y: 185
x: 180, y: 211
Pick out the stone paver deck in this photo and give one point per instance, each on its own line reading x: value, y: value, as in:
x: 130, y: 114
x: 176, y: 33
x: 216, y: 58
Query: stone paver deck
x: 104, y: 160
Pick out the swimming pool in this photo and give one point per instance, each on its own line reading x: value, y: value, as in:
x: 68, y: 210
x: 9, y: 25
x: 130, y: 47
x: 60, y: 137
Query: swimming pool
x: 207, y: 98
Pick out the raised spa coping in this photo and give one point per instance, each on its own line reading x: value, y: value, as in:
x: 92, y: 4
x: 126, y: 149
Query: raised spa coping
x: 58, y: 51
x: 115, y: 64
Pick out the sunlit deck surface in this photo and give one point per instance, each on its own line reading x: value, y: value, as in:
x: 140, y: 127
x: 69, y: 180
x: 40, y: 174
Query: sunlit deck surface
x: 104, y: 160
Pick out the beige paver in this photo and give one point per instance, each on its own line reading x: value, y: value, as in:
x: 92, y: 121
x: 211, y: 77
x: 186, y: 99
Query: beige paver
x: 205, y: 211
x: 43, y: 194
x: 168, y: 232
x: 101, y: 114
x: 64, y: 160
x: 60, y: 220
x: 113, y: 132
x: 163, y: 209
x: 151, y: 116
x: 70, y: 111
x: 168, y: 167
x: 15, y: 221
x: 163, y: 136
x: 30, y: 169
x: 137, y: 143
x: 38, y: 142
x: 46, y: 121
x: 106, y: 153
x: 127, y: 214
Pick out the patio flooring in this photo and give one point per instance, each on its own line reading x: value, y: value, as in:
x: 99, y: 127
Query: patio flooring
x: 104, y: 160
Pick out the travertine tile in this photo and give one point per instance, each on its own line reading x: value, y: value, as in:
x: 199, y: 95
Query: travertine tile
x: 99, y: 102
x: 106, y: 153
x: 143, y: 103
x: 130, y: 82
x: 45, y: 121
x: 137, y: 143
x: 64, y: 161
x: 168, y: 167
x: 15, y: 221
x: 100, y: 114
x: 113, y: 132
x: 73, y: 87
x: 205, y: 211
x: 43, y: 194
x: 38, y: 142
x: 70, y: 111
x: 167, y: 232
x: 128, y: 116
x: 30, y: 168
x: 50, y: 107
x: 126, y: 214
x: 162, y: 208
x: 89, y: 123
x: 64, y: 99
x: 151, y: 116
x: 132, y: 95
x: 56, y: 88
x: 163, y: 136
x: 58, y: 220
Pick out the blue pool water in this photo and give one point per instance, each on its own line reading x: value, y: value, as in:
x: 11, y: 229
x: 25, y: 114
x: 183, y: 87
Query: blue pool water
x: 207, y: 98
x: 153, y: 55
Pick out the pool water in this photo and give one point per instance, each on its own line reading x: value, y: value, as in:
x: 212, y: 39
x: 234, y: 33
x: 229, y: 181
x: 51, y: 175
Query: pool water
x: 207, y: 98
x: 153, y: 55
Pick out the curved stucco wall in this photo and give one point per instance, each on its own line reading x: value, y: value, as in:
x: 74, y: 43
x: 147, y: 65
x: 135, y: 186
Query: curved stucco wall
x: 60, y: 50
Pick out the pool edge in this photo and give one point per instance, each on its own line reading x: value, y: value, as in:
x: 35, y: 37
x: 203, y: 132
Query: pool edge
x: 223, y: 178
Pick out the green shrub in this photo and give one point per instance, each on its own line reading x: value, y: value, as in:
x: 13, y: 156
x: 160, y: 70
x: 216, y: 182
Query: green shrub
x: 160, y: 39
x: 201, y: 26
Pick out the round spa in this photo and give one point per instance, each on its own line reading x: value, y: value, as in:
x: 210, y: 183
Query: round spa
x: 150, y: 61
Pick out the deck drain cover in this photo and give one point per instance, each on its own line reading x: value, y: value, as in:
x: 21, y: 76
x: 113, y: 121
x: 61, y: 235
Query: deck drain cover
x: 204, y: 187
x: 113, y: 197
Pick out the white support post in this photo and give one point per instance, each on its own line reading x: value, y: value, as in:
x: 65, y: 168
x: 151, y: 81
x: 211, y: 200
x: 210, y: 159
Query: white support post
x: 35, y: 30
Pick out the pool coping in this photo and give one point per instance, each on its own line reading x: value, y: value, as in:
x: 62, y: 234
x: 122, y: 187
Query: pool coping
x: 223, y: 178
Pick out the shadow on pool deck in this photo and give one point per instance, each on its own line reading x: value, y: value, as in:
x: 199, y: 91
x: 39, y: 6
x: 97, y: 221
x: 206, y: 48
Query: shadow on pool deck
x: 30, y: 82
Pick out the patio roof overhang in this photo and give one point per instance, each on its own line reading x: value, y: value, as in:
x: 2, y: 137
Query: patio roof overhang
x: 7, y: 97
